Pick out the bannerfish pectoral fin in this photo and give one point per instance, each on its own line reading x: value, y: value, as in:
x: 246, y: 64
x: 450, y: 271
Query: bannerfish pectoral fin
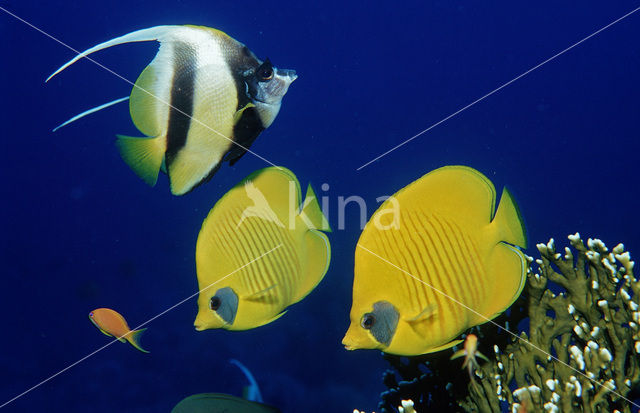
x: 238, y: 114
x: 262, y: 295
x: 90, y: 111
x: 159, y: 33
x: 143, y: 155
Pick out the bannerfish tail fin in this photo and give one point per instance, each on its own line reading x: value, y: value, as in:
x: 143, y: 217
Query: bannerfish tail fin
x: 508, y: 221
x: 145, y: 35
x: 252, y: 391
x: 311, y: 213
x: 317, y: 260
x: 90, y: 111
x: 134, y: 339
x: 508, y: 267
x: 143, y: 155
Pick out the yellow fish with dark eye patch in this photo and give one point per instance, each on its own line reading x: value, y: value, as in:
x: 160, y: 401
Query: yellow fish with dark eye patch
x: 260, y: 250
x: 433, y: 261
x: 203, y: 100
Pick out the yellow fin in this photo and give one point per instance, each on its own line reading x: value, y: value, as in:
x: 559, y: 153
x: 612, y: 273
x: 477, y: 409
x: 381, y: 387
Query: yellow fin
x: 458, y: 354
x: 143, y: 155
x: 428, y: 312
x: 316, y: 262
x: 456, y: 191
x: 311, y: 210
x: 134, y: 339
x: 444, y: 346
x: 105, y: 333
x: 262, y: 295
x: 508, y: 269
x: 238, y: 114
x: 508, y: 221
x: 270, y: 320
x: 482, y: 356
x: 145, y: 106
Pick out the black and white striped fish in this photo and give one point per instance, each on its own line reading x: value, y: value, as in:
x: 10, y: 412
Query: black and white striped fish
x: 203, y: 100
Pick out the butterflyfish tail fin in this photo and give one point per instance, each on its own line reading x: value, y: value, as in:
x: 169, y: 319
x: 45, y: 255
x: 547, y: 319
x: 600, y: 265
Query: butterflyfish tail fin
x: 508, y: 268
x: 144, y: 35
x: 143, y: 155
x: 90, y: 111
x: 313, y: 213
x: 134, y: 339
x: 318, y: 258
x: 508, y: 221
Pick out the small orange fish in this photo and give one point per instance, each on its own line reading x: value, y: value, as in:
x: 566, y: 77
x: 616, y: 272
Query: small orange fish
x: 111, y: 323
x: 470, y: 352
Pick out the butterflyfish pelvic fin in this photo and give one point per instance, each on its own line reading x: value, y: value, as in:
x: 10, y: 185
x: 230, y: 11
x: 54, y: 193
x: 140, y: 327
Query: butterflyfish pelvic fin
x: 444, y: 346
x: 145, y: 35
x: 134, y: 339
x: 428, y: 312
x: 90, y: 111
x: 458, y: 354
x: 313, y: 213
x: 143, y: 155
x: 508, y: 221
x: 262, y: 295
x: 318, y: 258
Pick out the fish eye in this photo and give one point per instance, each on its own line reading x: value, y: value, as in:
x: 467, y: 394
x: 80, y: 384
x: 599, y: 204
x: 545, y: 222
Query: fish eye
x: 91, y: 314
x: 265, y: 71
x: 215, y: 302
x: 368, y: 320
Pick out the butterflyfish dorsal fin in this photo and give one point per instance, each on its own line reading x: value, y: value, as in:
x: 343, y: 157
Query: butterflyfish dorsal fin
x: 143, y: 155
x: 458, y: 192
x: 311, y: 214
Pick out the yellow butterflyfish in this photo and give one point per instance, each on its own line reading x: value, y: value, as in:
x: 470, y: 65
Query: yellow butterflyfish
x: 203, y: 100
x: 112, y: 324
x: 434, y: 260
x: 259, y: 250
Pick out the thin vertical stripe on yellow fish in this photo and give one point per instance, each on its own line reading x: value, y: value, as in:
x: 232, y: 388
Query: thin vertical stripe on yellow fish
x: 451, y: 263
x: 203, y: 100
x: 270, y: 243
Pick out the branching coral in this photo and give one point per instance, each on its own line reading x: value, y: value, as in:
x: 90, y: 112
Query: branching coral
x: 580, y: 353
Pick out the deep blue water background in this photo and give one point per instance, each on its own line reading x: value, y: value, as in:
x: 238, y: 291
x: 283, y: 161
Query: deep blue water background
x: 81, y: 231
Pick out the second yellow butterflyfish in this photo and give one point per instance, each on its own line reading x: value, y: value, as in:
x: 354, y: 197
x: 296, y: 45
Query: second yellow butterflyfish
x: 259, y: 250
x: 436, y: 259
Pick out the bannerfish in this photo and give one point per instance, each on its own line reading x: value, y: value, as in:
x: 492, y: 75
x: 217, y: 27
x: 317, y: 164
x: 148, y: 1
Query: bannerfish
x: 204, y: 99
x: 220, y: 403
x: 113, y: 324
x: 259, y: 250
x: 434, y: 260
